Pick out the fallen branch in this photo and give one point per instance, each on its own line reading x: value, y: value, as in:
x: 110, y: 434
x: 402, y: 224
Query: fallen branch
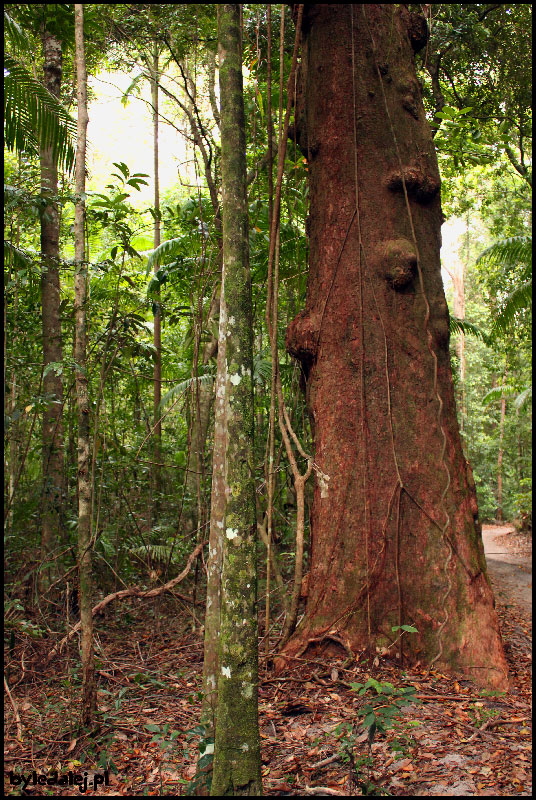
x: 133, y: 591
x: 496, y: 723
x: 15, y: 711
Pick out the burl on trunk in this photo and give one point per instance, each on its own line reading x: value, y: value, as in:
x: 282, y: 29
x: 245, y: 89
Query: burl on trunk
x: 395, y: 532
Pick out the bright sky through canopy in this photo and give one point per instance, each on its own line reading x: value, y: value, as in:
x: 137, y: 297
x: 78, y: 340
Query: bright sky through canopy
x: 125, y: 133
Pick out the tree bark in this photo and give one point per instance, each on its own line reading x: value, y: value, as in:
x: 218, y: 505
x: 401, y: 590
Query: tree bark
x: 395, y: 531
x: 89, y: 690
x: 501, y: 453
x: 237, y: 765
x: 52, y: 433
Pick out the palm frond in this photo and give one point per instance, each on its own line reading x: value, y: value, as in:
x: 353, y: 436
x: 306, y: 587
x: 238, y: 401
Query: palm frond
x: 497, y: 393
x: 509, y: 252
x: 34, y: 118
x: 15, y: 256
x: 14, y: 33
x: 523, y: 398
x: 183, y: 386
x: 518, y: 300
x: 262, y: 368
x: 133, y: 85
x: 458, y: 325
x: 170, y: 249
x: 156, y: 552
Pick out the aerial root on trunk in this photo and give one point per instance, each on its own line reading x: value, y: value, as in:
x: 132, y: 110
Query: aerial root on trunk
x: 282, y: 659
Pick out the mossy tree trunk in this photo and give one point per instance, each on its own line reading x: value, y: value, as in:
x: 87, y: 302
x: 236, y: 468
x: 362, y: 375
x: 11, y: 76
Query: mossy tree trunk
x: 89, y: 692
x: 237, y: 767
x: 53, y: 462
x: 395, y: 531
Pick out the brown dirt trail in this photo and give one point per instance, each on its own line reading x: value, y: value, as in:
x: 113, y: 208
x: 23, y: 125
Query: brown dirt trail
x: 511, y: 574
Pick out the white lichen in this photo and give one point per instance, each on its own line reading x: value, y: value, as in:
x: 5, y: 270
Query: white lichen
x: 322, y: 483
x: 235, y: 379
x: 226, y: 672
x: 231, y: 533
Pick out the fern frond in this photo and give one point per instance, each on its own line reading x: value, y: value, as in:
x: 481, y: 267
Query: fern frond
x: 458, y: 325
x: 34, y: 118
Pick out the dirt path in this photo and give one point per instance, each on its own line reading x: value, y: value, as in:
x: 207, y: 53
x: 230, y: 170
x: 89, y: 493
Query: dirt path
x: 511, y: 574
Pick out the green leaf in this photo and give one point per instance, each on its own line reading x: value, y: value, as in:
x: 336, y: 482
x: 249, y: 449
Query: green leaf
x: 370, y: 719
x: 409, y: 629
x: 122, y: 167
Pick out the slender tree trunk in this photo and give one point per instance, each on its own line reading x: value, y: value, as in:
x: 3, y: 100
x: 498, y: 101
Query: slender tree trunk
x: 53, y: 472
x: 157, y: 333
x: 459, y: 311
x: 237, y: 766
x: 11, y: 404
x: 501, y: 453
x: 395, y: 532
x: 89, y: 693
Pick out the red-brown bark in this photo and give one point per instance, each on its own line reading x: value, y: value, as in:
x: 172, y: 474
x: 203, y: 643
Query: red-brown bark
x: 382, y: 554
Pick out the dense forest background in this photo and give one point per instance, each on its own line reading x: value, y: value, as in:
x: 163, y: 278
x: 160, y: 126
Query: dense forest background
x: 153, y: 291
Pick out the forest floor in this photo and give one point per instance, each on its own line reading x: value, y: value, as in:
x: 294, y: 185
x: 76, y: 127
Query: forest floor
x: 456, y: 741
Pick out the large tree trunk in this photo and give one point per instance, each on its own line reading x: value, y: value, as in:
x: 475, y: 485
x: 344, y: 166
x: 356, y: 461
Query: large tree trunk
x: 89, y: 689
x: 237, y: 762
x: 53, y: 473
x: 395, y: 532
